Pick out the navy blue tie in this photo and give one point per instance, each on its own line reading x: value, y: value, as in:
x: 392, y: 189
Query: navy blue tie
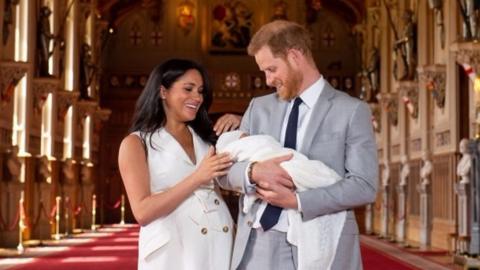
x: 272, y: 213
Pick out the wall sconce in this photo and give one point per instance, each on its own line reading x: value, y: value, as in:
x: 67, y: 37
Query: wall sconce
x: 185, y: 17
x: 437, y: 6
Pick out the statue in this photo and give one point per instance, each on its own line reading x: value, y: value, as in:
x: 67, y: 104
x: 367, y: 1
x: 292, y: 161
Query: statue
x: 385, y: 173
x: 44, y: 171
x: 426, y: 169
x: 405, y: 172
x: 470, y: 11
x: 373, y: 70
x: 86, y: 172
x: 68, y: 171
x: 87, y: 70
x: 44, y: 36
x: 8, y: 19
x: 463, y: 167
x: 13, y: 164
x: 406, y: 47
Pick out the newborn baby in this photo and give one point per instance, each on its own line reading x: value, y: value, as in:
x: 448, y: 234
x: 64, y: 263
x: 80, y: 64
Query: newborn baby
x: 320, y: 245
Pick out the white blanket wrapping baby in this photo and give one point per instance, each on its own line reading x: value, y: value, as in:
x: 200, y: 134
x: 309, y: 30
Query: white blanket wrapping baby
x: 317, y: 239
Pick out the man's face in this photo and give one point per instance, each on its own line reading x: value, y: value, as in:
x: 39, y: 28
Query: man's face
x: 280, y: 72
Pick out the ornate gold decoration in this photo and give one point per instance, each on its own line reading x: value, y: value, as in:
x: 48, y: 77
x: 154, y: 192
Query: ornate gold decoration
x: 468, y: 53
x: 42, y: 87
x: 86, y: 108
x: 434, y: 78
x: 65, y: 99
x: 389, y: 102
x: 10, y: 75
x: 185, y: 16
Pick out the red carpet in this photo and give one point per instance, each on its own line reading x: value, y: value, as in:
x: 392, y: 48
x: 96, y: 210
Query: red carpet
x: 111, y: 248
x: 116, y: 248
x: 373, y: 260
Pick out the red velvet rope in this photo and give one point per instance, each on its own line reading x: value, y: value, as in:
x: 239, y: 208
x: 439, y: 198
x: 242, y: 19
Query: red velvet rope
x: 13, y: 225
x: 41, y: 209
x: 115, y: 206
x: 2, y: 221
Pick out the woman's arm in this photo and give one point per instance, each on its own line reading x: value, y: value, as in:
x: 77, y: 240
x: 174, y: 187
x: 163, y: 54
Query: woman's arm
x: 147, y: 207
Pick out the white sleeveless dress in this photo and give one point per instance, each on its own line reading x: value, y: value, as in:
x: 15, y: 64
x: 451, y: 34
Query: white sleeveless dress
x: 198, y: 234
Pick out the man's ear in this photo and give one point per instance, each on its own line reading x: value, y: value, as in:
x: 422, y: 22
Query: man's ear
x: 294, y: 56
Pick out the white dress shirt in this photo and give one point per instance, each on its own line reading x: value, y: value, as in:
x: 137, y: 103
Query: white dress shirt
x: 309, y: 99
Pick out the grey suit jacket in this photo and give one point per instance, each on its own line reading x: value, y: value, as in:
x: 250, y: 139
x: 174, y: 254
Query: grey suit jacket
x: 339, y: 134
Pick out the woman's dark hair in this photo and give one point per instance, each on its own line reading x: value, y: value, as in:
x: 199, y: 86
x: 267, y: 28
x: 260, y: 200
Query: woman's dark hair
x: 149, y: 113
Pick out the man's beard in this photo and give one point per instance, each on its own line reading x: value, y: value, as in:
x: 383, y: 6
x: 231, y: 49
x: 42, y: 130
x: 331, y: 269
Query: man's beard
x: 291, y: 85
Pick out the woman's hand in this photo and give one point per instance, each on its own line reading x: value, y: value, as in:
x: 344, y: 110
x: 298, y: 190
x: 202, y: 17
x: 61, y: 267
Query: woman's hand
x: 227, y: 122
x: 213, y: 165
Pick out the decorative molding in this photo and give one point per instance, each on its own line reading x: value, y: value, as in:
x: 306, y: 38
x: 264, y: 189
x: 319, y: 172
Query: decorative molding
x: 416, y: 145
x: 376, y: 117
x: 65, y: 99
x: 467, y: 53
x: 434, y: 77
x: 390, y: 104
x: 10, y: 75
x: 442, y: 138
x: 409, y: 93
x: 86, y: 108
x: 102, y: 114
x: 41, y: 88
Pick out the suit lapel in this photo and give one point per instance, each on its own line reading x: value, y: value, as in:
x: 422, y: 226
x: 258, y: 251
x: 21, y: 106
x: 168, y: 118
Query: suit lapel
x: 319, y: 112
x: 278, y: 114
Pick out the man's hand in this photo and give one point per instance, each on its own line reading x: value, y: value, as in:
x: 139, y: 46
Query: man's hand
x: 278, y: 195
x: 274, y: 185
x: 227, y: 122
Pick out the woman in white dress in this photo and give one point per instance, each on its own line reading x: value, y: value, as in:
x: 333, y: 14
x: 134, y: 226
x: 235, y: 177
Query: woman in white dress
x: 168, y: 165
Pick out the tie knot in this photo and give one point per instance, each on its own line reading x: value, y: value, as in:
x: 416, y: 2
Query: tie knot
x: 297, y: 102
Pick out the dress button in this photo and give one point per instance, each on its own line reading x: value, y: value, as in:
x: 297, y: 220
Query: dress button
x: 225, y: 228
x: 216, y: 201
x: 249, y: 223
x: 204, y: 230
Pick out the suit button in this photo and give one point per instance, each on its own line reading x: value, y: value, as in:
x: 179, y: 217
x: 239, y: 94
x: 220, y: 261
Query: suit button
x: 225, y: 229
x: 216, y: 201
x: 249, y: 223
x: 204, y: 230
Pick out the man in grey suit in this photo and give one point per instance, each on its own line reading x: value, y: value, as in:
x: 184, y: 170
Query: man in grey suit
x: 309, y: 115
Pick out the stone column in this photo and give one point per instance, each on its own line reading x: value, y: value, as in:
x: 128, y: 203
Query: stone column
x: 369, y: 219
x: 86, y: 192
x: 11, y: 188
x: 385, y: 195
x: 43, y: 199
x: 401, y: 188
